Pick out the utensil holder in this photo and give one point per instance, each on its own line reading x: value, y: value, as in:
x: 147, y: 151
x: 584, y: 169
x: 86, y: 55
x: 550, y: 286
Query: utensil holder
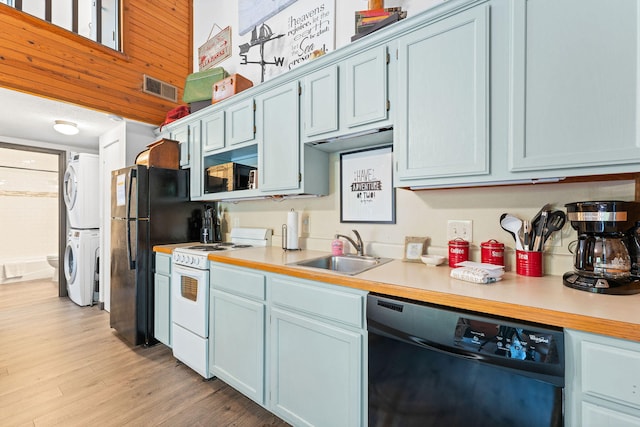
x: 529, y: 263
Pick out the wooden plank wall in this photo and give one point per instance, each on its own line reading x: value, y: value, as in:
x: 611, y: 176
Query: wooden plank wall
x: 42, y: 59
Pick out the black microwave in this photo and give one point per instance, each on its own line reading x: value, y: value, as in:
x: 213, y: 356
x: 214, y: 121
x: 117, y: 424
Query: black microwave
x: 227, y: 177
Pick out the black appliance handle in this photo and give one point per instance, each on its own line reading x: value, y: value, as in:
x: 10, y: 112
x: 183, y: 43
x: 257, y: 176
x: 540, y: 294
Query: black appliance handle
x: 551, y: 373
x: 132, y: 260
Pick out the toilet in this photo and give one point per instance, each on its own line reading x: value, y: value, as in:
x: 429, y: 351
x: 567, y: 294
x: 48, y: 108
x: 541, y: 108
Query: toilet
x: 53, y: 262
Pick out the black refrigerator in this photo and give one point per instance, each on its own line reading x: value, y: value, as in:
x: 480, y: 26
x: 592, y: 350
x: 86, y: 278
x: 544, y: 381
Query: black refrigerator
x: 149, y: 206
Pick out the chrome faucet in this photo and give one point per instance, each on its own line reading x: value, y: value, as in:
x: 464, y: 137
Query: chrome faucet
x: 359, y: 247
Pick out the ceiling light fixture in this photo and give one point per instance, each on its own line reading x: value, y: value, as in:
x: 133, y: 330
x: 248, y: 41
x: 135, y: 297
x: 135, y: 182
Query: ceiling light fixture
x: 66, y: 128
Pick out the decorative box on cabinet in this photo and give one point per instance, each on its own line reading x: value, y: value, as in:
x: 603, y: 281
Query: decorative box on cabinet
x: 602, y: 383
x: 162, y: 299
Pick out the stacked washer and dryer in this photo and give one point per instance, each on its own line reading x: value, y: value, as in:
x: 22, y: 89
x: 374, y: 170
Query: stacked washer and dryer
x: 81, y: 185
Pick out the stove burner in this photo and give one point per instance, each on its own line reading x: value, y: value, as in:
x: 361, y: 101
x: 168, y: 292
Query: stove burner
x: 223, y: 246
x: 207, y: 248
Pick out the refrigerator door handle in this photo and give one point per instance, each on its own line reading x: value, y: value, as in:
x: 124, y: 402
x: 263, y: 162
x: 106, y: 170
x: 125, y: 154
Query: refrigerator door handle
x: 132, y: 260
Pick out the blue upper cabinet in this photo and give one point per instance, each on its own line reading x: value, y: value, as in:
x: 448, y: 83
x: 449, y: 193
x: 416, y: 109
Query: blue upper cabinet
x: 346, y: 97
x: 240, y: 122
x: 321, y: 102
x: 442, y: 119
x: 279, y: 148
x: 213, y: 132
x: 574, y: 76
x: 366, y: 99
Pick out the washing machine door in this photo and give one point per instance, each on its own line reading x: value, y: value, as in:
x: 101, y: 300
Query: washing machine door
x: 70, y: 262
x: 70, y: 188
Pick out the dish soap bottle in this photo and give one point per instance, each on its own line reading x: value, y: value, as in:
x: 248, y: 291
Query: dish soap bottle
x: 337, y: 246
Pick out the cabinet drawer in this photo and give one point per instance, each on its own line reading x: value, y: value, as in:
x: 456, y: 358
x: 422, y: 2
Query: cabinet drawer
x: 238, y: 282
x: 329, y: 303
x: 597, y: 416
x: 163, y: 264
x: 610, y: 372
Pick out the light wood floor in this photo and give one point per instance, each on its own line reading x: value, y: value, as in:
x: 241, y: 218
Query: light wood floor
x: 61, y: 364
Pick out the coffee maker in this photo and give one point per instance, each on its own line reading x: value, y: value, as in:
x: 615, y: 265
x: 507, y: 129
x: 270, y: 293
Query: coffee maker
x: 605, y: 248
x: 210, y: 231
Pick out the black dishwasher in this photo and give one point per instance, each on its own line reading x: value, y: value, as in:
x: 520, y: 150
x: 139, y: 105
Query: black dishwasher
x: 433, y: 366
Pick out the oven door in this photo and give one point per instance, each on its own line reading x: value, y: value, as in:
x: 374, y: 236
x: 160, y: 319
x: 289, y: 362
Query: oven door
x: 190, y: 299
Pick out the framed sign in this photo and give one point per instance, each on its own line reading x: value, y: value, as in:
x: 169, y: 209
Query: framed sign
x: 366, y: 186
x: 414, y: 248
x: 215, y: 50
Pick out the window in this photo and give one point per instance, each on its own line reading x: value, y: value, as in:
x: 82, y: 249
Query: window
x: 97, y: 20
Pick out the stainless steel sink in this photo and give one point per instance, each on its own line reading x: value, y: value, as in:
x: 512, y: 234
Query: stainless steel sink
x: 345, y: 264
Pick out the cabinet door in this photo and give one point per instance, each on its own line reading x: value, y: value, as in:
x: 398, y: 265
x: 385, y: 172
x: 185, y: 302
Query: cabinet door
x: 162, y: 309
x: 195, y: 177
x: 181, y: 134
x: 315, y: 372
x: 240, y: 124
x: 320, y: 108
x: 366, y: 87
x: 237, y: 343
x: 442, y: 120
x: 279, y: 147
x: 602, y: 380
x: 213, y: 132
x: 575, y: 84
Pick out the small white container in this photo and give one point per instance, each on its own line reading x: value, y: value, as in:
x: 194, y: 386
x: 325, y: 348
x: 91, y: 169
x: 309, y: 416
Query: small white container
x: 432, y: 259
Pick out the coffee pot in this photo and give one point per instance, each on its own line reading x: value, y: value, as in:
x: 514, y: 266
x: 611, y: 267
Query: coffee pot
x: 602, y: 255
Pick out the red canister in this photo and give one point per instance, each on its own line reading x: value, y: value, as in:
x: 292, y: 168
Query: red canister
x: 458, y: 251
x: 492, y: 252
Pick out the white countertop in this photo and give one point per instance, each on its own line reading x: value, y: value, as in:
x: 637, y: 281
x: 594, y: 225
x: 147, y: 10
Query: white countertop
x: 543, y: 300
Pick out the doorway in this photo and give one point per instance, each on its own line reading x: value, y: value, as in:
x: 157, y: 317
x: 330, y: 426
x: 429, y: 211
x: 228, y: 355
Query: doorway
x: 33, y: 211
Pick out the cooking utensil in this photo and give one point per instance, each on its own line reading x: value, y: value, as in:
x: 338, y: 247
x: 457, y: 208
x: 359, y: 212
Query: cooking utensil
x: 527, y: 231
x: 512, y: 224
x: 555, y: 222
x: 546, y: 208
x: 539, y: 227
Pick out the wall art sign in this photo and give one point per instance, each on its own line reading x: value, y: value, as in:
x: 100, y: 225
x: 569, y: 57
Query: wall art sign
x: 252, y: 13
x: 295, y: 36
x: 309, y: 29
x: 215, y: 50
x: 366, y: 186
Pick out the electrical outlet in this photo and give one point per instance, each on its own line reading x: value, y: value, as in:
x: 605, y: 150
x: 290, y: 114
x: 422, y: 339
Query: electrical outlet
x: 305, y: 225
x: 236, y: 222
x: 460, y: 228
x: 555, y: 240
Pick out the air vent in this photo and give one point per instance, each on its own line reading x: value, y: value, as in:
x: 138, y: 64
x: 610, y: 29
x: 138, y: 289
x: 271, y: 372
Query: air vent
x: 159, y: 88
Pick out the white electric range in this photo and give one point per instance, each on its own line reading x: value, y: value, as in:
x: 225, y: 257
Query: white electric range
x: 190, y: 295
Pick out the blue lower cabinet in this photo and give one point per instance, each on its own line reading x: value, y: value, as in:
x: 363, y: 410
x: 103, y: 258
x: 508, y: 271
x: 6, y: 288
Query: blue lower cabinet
x: 316, y: 372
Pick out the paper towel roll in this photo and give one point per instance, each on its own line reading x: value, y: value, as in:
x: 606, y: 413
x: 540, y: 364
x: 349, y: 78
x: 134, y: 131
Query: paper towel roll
x: 292, y: 230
